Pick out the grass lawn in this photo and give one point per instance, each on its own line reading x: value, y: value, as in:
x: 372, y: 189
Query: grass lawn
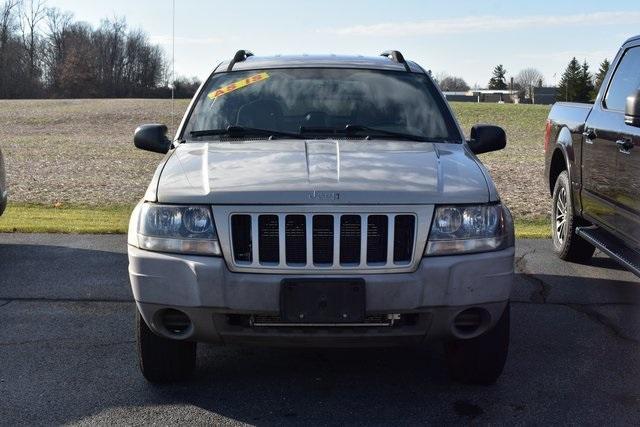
x: 33, y: 218
x: 533, y: 229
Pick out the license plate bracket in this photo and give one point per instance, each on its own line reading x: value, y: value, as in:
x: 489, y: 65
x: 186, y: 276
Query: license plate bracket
x: 323, y: 301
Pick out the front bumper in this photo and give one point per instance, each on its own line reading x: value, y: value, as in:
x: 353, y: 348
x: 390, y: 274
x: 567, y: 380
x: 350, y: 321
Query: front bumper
x: 212, y: 296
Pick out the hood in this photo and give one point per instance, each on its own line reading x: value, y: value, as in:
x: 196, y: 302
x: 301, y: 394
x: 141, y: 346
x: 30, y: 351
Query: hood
x: 322, y: 172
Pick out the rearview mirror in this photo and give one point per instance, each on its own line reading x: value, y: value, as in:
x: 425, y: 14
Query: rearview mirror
x: 632, y: 112
x: 486, y: 138
x: 152, y: 138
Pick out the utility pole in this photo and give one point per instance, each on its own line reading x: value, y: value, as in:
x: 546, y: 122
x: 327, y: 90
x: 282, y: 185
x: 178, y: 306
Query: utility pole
x: 173, y: 64
x: 511, y: 89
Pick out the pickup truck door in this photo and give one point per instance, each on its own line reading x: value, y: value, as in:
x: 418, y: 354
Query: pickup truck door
x: 628, y: 190
x: 599, y: 152
x: 625, y: 82
x: 621, y: 144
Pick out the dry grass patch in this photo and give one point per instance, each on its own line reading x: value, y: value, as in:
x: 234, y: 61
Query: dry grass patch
x: 80, y: 152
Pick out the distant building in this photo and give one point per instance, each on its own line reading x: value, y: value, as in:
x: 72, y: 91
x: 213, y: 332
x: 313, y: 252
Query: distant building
x: 545, y: 95
x: 541, y: 95
x: 483, y: 95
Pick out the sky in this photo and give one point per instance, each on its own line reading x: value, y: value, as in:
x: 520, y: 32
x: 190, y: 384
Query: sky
x: 460, y: 38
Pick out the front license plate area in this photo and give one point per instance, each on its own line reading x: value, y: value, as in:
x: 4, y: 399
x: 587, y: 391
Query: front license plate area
x: 322, y: 301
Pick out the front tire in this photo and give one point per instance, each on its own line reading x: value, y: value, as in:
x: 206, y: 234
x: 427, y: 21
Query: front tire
x: 163, y: 360
x: 480, y: 360
x: 566, y: 243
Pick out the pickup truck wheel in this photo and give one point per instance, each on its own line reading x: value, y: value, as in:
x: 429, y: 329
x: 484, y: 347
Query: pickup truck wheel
x: 480, y: 360
x: 566, y: 243
x: 163, y: 360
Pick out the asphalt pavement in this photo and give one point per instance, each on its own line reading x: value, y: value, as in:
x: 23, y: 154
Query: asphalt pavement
x: 67, y: 354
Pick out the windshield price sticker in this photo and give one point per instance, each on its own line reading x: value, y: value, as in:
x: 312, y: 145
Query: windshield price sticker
x: 238, y: 85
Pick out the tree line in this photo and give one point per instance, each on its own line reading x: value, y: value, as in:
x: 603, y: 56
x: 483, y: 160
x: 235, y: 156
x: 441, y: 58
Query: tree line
x: 577, y: 83
x: 46, y: 53
x: 523, y: 82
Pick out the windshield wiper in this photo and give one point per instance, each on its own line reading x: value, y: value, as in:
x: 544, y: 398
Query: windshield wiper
x: 240, y: 131
x: 352, y: 129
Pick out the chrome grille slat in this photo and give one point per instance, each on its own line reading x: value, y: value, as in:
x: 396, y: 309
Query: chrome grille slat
x: 391, y: 229
x: 282, y: 240
x: 364, y: 235
x: 309, y: 222
x: 297, y: 228
x: 336, y: 240
x: 254, y: 241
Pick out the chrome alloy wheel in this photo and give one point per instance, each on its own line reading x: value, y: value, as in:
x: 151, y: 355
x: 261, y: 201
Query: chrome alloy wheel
x: 560, y: 214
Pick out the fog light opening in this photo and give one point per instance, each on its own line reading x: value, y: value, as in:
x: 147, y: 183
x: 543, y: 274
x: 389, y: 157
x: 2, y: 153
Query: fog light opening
x: 175, y: 321
x: 472, y: 321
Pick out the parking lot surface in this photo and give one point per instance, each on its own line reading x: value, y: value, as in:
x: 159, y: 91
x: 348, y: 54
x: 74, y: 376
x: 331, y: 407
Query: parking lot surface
x: 67, y: 354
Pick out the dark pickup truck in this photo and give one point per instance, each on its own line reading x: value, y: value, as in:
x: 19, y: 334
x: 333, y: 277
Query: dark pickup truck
x: 593, y: 168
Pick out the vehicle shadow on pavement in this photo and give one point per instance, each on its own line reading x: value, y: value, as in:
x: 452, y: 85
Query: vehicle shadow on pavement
x: 607, y: 263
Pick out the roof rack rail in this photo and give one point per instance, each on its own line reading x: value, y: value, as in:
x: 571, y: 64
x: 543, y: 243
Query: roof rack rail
x: 240, y: 56
x: 396, y: 56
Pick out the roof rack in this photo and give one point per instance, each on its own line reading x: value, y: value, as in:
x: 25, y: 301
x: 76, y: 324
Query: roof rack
x: 240, y: 56
x: 396, y: 56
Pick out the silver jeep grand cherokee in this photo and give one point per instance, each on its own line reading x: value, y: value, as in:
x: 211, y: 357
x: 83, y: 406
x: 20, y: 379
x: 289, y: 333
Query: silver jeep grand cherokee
x: 321, y: 201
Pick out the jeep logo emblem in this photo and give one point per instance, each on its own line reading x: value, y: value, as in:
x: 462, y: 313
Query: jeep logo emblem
x: 323, y: 196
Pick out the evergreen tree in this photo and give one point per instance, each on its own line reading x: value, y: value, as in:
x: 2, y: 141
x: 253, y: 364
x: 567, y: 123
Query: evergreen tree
x: 499, y: 80
x: 599, y: 78
x: 585, y: 84
x: 569, y: 87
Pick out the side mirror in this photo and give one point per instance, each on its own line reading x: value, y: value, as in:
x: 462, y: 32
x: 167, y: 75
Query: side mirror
x: 632, y: 112
x: 152, y: 138
x: 486, y: 138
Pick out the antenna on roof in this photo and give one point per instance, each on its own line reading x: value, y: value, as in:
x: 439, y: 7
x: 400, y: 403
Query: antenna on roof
x: 173, y: 65
x: 396, y: 56
x: 240, y: 56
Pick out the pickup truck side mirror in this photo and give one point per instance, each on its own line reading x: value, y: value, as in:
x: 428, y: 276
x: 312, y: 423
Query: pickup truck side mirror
x: 632, y: 112
x: 152, y: 138
x: 486, y: 138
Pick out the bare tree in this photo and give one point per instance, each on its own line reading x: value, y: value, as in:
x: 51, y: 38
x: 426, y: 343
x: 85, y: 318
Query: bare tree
x: 58, y: 26
x: 44, y: 52
x: 439, y: 77
x: 7, y: 55
x: 33, y: 13
x: 527, y: 79
x: 6, y: 20
x: 453, y: 84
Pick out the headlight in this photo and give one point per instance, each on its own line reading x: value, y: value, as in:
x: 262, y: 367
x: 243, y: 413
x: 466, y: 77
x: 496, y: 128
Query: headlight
x: 178, y: 229
x: 464, y: 229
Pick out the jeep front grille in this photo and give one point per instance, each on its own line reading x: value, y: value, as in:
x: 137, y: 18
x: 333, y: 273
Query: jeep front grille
x: 359, y: 241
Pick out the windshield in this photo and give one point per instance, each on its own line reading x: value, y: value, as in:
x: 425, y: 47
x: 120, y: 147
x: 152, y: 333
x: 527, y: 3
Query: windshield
x: 322, y: 102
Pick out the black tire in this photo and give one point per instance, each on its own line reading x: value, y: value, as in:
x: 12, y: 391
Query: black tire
x: 480, y: 360
x: 566, y: 243
x: 163, y: 360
